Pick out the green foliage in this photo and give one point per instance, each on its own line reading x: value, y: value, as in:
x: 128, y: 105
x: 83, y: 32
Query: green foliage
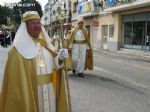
x: 35, y: 6
x: 27, y: 5
x: 5, y: 13
x: 16, y: 13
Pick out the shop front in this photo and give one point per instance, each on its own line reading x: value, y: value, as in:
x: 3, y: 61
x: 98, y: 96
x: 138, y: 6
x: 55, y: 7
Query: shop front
x: 137, y: 30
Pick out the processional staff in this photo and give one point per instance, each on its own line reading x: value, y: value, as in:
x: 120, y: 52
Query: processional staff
x: 60, y: 17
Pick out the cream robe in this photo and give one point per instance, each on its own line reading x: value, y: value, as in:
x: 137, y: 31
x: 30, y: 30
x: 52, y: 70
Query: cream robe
x: 79, y: 53
x: 46, y: 92
x: 20, y: 92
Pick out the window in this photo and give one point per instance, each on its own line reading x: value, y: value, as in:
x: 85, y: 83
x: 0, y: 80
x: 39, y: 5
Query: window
x: 105, y: 30
x: 111, y: 30
x: 75, y: 6
x: 69, y: 3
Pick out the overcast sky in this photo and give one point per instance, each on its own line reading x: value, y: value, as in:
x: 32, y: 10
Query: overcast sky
x: 42, y: 2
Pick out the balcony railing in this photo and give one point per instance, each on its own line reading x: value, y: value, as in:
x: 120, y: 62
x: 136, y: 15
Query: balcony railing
x: 126, y: 5
x: 89, y: 8
x: 110, y: 4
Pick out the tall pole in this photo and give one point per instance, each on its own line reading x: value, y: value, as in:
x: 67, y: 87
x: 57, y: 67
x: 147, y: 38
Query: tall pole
x: 61, y: 17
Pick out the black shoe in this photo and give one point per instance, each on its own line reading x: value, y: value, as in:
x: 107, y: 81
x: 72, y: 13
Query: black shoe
x: 81, y: 75
x: 73, y: 71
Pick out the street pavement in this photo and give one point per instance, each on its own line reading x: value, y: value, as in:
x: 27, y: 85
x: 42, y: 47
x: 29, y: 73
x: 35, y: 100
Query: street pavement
x: 127, y: 68
x: 3, y: 58
x: 126, y: 79
x: 100, y: 94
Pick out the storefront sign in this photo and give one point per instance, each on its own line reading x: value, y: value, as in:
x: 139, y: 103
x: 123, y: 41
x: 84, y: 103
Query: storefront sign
x: 95, y: 23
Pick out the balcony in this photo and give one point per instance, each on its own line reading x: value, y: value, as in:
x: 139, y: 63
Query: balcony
x: 125, y: 5
x: 89, y: 8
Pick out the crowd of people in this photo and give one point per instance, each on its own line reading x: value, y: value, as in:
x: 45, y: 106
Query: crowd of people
x: 6, y: 37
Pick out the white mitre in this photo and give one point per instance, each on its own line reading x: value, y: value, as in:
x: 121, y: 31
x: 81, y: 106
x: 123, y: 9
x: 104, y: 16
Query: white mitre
x: 29, y: 15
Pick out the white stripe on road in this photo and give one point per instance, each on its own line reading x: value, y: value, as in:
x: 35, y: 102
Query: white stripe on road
x: 118, y: 77
x: 104, y: 70
x: 98, y: 56
x: 142, y: 67
x: 115, y: 60
x: 101, y: 69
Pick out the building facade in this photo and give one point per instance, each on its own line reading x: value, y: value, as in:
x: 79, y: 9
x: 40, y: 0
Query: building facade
x: 115, y: 24
x: 51, y: 17
x: 89, y: 10
x: 131, y: 20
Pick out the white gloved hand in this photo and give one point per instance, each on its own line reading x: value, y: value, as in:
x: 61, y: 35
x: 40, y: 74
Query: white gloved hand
x: 63, y: 53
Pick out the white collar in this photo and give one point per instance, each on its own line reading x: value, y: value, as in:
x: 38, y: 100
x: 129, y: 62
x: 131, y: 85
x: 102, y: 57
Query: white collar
x: 26, y: 47
x: 25, y: 44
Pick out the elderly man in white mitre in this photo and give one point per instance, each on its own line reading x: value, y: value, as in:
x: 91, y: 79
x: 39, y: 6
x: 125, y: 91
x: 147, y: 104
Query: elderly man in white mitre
x: 33, y: 79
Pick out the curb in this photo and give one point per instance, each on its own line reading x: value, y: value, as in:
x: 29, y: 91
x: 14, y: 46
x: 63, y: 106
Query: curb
x: 124, y: 53
x: 120, y: 79
x: 137, y: 53
x: 125, y: 82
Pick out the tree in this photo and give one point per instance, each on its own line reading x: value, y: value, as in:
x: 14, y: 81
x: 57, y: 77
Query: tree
x: 5, y: 13
x: 35, y: 6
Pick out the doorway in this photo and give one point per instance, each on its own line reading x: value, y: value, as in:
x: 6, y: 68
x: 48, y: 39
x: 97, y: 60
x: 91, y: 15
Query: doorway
x: 147, y: 37
x: 105, y: 36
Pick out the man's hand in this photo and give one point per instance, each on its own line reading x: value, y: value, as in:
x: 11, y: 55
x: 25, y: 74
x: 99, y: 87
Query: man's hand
x: 62, y: 54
